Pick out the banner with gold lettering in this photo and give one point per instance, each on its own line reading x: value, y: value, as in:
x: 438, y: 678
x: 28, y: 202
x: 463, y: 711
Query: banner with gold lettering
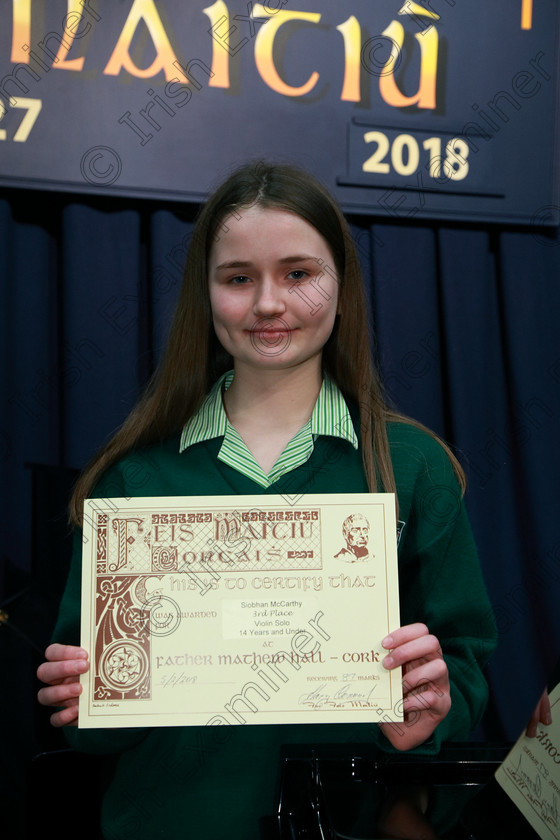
x: 433, y: 109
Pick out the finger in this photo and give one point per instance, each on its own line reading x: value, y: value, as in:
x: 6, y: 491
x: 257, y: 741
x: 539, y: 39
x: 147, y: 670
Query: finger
x: 56, y: 652
x: 545, y: 716
x: 57, y: 695
x: 55, y: 672
x: 419, y: 648
x: 541, y: 714
x: 429, y: 688
x: 65, y: 717
x: 433, y: 672
x: 435, y: 702
x: 404, y: 634
x: 531, y: 730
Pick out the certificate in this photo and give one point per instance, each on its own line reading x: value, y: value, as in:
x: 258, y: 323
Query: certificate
x: 530, y: 775
x: 239, y: 610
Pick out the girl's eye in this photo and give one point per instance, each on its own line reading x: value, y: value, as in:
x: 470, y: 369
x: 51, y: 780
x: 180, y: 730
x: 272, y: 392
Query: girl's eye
x: 239, y: 280
x: 297, y: 274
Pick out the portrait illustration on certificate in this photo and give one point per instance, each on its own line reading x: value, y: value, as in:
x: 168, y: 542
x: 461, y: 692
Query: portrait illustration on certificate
x: 239, y: 610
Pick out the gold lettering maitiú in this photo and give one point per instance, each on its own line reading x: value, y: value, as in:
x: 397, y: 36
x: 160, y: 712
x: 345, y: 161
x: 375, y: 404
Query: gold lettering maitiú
x: 227, y: 36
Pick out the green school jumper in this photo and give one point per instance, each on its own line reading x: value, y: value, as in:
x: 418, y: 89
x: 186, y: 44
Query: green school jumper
x: 216, y: 782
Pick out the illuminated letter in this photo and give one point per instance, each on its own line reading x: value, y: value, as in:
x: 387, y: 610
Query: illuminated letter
x: 143, y: 10
x: 425, y: 96
x: 124, y: 540
x: 264, y: 48
x: 352, y: 34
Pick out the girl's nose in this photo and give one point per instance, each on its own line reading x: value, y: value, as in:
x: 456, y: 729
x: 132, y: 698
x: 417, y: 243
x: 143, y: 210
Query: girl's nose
x: 269, y: 299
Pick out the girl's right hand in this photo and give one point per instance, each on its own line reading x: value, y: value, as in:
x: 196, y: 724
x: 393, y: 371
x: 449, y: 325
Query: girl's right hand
x: 62, y: 672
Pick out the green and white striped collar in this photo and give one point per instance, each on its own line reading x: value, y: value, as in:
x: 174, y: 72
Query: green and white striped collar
x: 330, y: 417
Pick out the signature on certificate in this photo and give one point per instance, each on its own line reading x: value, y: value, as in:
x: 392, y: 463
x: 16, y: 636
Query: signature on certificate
x: 531, y: 785
x: 340, y: 698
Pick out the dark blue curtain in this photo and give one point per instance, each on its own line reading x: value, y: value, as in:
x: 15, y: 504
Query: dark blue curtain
x: 466, y: 332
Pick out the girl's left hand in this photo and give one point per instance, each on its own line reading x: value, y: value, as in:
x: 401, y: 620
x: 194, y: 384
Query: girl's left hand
x: 426, y: 692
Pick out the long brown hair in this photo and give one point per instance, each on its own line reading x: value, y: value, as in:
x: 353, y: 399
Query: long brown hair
x: 194, y: 359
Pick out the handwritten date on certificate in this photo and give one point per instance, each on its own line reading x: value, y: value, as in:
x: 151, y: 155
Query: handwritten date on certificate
x: 213, y: 610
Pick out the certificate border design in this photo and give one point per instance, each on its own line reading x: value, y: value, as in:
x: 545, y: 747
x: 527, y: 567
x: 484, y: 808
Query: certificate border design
x: 130, y: 601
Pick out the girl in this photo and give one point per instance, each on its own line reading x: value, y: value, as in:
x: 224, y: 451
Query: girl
x: 267, y: 386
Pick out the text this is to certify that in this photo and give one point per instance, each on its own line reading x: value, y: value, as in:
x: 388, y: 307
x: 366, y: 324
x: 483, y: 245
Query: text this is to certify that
x: 239, y: 610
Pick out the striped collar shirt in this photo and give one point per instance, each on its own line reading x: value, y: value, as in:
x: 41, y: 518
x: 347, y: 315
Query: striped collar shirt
x: 330, y: 417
